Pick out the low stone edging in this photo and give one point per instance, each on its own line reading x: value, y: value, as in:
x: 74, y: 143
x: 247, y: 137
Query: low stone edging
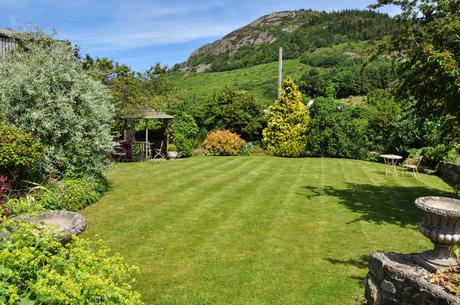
x: 394, y: 279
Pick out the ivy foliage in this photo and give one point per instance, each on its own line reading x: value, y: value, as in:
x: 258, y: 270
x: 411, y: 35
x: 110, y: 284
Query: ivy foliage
x: 184, y: 130
x: 36, y: 269
x: 44, y: 91
x: 287, y: 123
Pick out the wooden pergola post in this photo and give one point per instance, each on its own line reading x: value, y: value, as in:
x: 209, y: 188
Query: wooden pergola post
x: 146, y: 138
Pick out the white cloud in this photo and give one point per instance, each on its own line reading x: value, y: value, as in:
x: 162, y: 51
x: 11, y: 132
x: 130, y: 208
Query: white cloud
x: 148, y: 23
x: 135, y: 36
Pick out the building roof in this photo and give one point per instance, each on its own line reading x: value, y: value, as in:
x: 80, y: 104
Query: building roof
x: 147, y: 113
x: 6, y: 32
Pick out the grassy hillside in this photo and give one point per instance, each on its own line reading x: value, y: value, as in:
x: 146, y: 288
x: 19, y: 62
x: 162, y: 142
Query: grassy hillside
x: 339, y: 65
x: 296, y: 31
x: 261, y: 80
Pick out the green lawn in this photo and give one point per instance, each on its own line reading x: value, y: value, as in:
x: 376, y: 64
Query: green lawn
x: 257, y: 230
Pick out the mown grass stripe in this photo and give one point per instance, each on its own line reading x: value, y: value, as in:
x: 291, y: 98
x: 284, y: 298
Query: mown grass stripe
x: 256, y: 230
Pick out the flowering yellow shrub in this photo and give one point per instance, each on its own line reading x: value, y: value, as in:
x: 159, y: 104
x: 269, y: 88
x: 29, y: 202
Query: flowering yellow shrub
x: 223, y: 143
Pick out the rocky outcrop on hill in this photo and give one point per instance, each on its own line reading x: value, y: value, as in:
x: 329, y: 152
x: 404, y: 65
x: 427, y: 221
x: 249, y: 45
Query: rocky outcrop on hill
x: 297, y: 31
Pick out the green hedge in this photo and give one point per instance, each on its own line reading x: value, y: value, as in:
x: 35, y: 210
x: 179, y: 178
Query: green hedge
x: 36, y: 269
x: 71, y: 194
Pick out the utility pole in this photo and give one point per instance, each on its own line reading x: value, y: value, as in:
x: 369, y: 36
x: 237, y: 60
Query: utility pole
x: 280, y: 71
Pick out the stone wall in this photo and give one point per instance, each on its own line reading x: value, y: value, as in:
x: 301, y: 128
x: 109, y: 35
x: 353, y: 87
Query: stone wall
x: 394, y: 279
x: 449, y: 172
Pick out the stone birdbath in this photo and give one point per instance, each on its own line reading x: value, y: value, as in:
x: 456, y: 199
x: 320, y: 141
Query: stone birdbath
x: 442, y: 226
x: 69, y: 223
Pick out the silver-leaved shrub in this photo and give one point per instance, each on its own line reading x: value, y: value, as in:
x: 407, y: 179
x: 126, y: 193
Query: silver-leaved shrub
x: 43, y: 90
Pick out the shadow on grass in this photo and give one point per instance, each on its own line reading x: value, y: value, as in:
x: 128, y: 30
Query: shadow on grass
x: 379, y: 203
x: 360, y: 263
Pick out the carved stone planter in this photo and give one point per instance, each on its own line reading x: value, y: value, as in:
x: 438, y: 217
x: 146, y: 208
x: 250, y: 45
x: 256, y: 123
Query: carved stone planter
x: 442, y: 226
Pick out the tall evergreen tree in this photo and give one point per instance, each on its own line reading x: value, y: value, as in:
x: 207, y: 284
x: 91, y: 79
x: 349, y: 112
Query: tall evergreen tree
x: 287, y: 123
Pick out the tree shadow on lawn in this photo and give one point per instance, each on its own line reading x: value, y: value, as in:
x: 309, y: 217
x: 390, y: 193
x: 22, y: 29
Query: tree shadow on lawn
x: 361, y: 263
x: 379, y: 203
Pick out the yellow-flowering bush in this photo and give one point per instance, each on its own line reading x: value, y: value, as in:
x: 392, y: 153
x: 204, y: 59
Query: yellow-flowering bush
x: 287, y: 124
x: 223, y: 143
x: 36, y: 269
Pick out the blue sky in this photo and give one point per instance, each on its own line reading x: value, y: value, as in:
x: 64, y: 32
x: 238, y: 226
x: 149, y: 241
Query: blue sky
x: 141, y: 33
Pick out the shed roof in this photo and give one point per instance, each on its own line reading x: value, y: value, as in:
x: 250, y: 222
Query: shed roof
x: 6, y: 32
x: 147, y: 113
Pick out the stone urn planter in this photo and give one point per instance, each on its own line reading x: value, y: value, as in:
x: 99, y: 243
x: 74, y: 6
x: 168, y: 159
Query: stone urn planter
x: 442, y: 226
x: 172, y: 155
x: 172, y: 152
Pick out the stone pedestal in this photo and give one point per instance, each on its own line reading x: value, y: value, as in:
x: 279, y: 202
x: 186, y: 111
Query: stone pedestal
x: 395, y: 279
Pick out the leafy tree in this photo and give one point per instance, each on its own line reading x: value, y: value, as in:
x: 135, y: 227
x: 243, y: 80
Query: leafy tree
x: 411, y: 130
x: 344, y: 67
x: 45, y: 91
x: 337, y: 131
x: 287, y: 123
x: 427, y: 50
x: 234, y: 110
x: 315, y: 82
x: 104, y: 69
x: 382, y: 111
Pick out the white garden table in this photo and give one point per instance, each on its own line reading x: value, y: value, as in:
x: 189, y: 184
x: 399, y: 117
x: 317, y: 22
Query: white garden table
x: 391, y: 161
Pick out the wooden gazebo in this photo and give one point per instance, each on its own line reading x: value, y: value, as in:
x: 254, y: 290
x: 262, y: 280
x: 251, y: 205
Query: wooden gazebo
x: 146, y: 113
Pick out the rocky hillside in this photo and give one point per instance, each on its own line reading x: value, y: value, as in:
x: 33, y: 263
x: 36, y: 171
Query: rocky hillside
x: 296, y: 31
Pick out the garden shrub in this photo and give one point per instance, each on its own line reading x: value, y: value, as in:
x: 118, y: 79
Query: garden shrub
x: 16, y: 206
x: 433, y: 155
x: 184, y: 131
x: 337, y: 131
x: 44, y: 90
x: 234, y: 110
x: 382, y: 110
x: 5, y: 188
x: 223, y: 143
x: 36, y: 269
x: 287, y: 124
x: 411, y: 130
x: 71, y: 194
x: 18, y: 149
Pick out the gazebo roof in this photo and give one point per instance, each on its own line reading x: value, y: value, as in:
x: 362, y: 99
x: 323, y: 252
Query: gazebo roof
x: 147, y: 113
